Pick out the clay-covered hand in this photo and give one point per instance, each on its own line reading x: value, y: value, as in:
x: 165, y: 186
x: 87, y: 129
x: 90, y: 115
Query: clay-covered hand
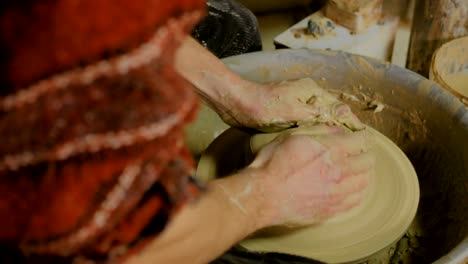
x: 276, y: 106
x: 308, y: 178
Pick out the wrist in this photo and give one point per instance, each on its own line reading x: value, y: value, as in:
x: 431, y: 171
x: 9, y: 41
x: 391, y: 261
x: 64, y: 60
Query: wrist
x: 243, y: 197
x: 234, y: 93
x: 245, y: 104
x: 248, y: 97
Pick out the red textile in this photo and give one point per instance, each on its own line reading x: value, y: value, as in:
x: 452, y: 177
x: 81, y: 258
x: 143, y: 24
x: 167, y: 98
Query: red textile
x: 91, y: 121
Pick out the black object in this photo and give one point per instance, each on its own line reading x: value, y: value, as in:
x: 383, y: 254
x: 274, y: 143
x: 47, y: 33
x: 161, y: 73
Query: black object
x: 228, y: 29
x: 239, y: 255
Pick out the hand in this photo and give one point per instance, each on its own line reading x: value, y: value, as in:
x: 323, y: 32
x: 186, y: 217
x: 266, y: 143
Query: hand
x: 308, y: 178
x: 266, y: 107
x: 276, y: 106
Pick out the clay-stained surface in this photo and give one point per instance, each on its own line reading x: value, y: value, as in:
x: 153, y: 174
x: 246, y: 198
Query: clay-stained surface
x: 426, y: 122
x: 344, y: 237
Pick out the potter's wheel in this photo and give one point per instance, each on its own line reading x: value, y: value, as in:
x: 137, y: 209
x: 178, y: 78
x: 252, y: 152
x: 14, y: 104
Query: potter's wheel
x: 381, y: 219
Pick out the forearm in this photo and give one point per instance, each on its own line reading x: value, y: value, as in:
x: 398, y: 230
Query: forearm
x: 220, y: 87
x: 204, y: 230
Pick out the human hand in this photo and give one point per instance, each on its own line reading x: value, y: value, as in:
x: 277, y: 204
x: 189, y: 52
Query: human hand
x: 276, y: 106
x: 308, y: 178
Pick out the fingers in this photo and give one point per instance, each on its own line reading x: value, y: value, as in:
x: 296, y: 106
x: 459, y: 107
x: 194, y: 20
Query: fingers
x: 296, y: 141
x: 334, y: 137
x: 359, y: 164
x: 327, y: 170
x: 299, y: 149
x: 316, y: 130
x: 356, y: 142
x: 348, y: 186
x: 349, y: 144
x: 346, y: 205
x: 264, y: 154
x: 345, y: 116
x: 344, y: 150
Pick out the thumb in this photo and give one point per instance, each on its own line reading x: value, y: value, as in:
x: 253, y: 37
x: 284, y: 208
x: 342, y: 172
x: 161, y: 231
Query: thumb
x: 264, y: 153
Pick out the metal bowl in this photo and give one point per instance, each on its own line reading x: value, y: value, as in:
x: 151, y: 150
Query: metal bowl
x: 429, y: 124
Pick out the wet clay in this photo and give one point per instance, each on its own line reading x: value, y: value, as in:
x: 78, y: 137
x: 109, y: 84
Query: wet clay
x: 427, y: 124
x: 325, y: 108
x: 382, y: 218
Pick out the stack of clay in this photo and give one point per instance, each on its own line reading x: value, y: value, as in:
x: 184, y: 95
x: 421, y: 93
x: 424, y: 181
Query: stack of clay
x: 356, y: 15
x: 91, y: 119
